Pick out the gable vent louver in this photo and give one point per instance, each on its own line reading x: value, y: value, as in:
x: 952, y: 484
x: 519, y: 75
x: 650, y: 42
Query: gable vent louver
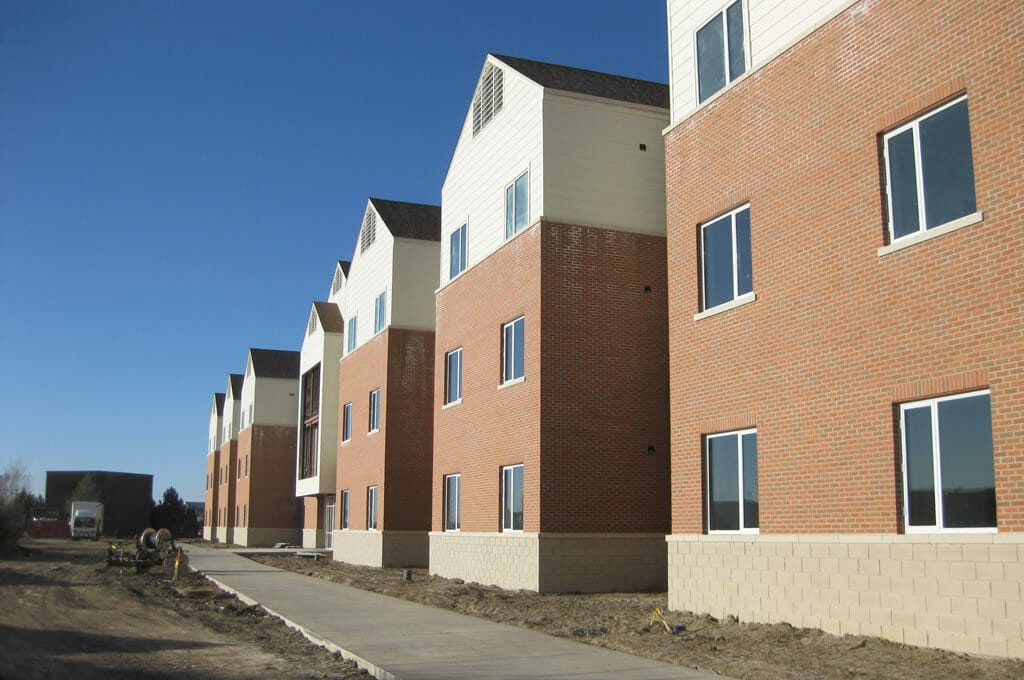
x: 311, y: 328
x: 489, y: 97
x: 369, y: 233
x: 338, y: 280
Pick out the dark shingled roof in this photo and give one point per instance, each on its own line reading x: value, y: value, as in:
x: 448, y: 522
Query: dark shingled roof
x: 236, y: 385
x: 218, y: 399
x: 594, y: 83
x: 330, y: 316
x: 345, y: 266
x: 410, y: 220
x: 275, y: 363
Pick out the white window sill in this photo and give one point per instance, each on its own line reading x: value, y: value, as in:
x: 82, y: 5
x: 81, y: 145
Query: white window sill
x: 744, y: 299
x: 960, y: 530
x: 510, y: 383
x: 452, y: 404
x: 929, y: 234
x: 373, y: 432
x: 742, y: 532
x: 344, y: 442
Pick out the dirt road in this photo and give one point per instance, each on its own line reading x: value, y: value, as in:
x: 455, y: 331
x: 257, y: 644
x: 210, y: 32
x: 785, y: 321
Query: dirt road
x: 65, y: 614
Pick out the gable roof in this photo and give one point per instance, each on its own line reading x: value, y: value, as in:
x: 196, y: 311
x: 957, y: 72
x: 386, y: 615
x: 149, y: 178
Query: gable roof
x: 274, y: 363
x: 235, y: 380
x: 593, y: 83
x: 218, y: 402
x: 329, y: 315
x: 410, y: 220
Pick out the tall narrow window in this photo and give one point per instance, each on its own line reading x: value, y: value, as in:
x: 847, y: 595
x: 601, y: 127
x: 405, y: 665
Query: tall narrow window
x: 375, y: 410
x: 930, y: 171
x: 513, y: 365
x: 380, y: 312
x: 517, y: 205
x: 310, y: 442
x: 512, y: 498
x: 344, y: 509
x: 732, y: 481
x: 457, y: 252
x: 948, y: 463
x: 371, y: 507
x: 721, y: 56
x: 352, y: 327
x: 346, y: 422
x: 451, y: 502
x: 453, y: 376
x: 725, y: 251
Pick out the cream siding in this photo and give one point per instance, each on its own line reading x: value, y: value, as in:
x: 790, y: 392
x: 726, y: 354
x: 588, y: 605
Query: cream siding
x: 771, y: 27
x: 324, y: 349
x: 369, y: 275
x: 595, y: 172
x: 216, y: 424
x: 232, y: 413
x: 276, y: 400
x: 481, y: 167
x: 415, y: 279
x: 337, y: 297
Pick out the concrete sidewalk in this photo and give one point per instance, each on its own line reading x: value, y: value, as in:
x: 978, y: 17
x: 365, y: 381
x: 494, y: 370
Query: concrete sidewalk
x: 396, y: 639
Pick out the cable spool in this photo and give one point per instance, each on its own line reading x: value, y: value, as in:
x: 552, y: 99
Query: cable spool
x: 148, y: 541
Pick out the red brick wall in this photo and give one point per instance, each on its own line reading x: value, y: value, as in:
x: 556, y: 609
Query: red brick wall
x: 604, y: 392
x: 838, y: 335
x: 226, y: 492
x: 272, y: 502
x: 410, y: 431
x: 361, y: 460
x: 492, y: 427
x: 312, y: 517
x: 212, y: 496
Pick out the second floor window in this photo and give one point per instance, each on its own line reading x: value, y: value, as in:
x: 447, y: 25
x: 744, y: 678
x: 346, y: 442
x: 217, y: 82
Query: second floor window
x: 453, y: 376
x: 380, y: 312
x: 352, y: 327
x: 513, y: 365
x: 375, y: 410
x: 725, y: 250
x: 457, y: 252
x: 517, y: 205
x: 346, y: 422
x: 720, y: 53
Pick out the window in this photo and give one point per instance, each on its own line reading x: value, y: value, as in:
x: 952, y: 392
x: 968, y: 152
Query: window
x: 238, y: 472
x: 451, y: 502
x: 375, y: 410
x: 512, y: 498
x: 369, y: 231
x: 247, y: 465
x: 948, y: 466
x: 371, y: 507
x: 720, y: 54
x: 380, y: 312
x: 488, y: 99
x: 245, y: 515
x: 344, y: 509
x: 453, y: 376
x: 725, y: 251
x: 930, y: 171
x: 310, y: 441
x: 517, y: 205
x: 346, y: 423
x: 457, y: 252
x: 732, y: 481
x: 352, y: 333
x: 252, y: 413
x: 512, y: 367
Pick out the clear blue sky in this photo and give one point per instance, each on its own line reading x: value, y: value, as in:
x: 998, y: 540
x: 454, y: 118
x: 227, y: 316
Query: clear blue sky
x: 177, y: 180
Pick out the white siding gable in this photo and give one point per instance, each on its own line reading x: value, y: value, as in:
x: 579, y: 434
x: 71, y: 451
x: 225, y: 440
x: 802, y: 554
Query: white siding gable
x: 232, y: 412
x: 482, y: 166
x: 369, y: 275
x: 336, y: 294
x: 770, y: 27
x: 216, y: 423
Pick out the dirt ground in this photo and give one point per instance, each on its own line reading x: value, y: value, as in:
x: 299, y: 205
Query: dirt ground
x: 65, y: 614
x: 621, y: 621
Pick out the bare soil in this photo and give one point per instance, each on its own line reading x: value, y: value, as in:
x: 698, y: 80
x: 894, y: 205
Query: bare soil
x: 65, y: 614
x: 622, y: 621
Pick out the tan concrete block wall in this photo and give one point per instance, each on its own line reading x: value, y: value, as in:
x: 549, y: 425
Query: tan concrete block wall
x: 959, y: 592
x: 207, y: 533
x: 405, y: 549
x: 312, y: 538
x: 257, y: 537
x: 359, y: 547
x: 602, y: 563
x: 509, y: 560
x: 225, y: 534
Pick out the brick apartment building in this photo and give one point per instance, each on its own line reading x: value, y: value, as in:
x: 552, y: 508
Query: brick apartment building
x: 265, y: 509
x: 846, y: 296
x: 212, y: 495
x: 386, y: 387
x: 225, y: 516
x: 317, y: 445
x: 551, y: 460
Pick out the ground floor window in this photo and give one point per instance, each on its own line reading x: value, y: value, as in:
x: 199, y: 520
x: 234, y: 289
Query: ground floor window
x: 344, y: 509
x: 732, y: 481
x: 948, y: 466
x: 512, y: 498
x: 371, y: 507
x: 452, y: 484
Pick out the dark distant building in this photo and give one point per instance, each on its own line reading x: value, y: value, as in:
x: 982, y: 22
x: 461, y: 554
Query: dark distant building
x: 127, y: 497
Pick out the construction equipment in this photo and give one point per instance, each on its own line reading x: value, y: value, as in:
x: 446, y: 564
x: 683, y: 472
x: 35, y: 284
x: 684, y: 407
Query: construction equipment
x: 151, y: 549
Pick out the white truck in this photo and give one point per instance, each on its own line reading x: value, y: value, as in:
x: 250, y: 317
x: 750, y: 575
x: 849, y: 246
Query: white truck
x: 86, y: 519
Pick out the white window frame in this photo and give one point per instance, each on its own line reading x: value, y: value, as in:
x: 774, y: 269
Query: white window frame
x: 922, y: 216
x: 509, y: 236
x: 371, y: 508
x: 506, y: 380
x: 448, y: 400
x: 936, y: 467
x: 352, y: 329
x: 725, y: 50
x: 505, y: 490
x: 738, y: 434
x: 457, y: 478
x: 344, y: 509
x: 458, y: 236
x: 346, y: 423
x: 737, y: 297
x: 380, y: 312
x: 374, y: 422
